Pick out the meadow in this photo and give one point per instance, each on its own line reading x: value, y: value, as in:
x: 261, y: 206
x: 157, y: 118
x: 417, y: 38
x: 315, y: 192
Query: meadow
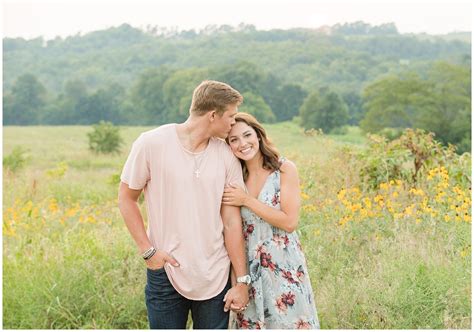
x: 397, y: 256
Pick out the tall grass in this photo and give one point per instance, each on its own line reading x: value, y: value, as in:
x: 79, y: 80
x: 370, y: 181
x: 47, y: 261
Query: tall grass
x: 69, y: 262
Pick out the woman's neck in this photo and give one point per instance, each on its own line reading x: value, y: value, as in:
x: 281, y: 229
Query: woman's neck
x: 255, y: 165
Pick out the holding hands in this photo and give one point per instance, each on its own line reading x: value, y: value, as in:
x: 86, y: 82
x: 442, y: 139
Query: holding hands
x: 236, y: 298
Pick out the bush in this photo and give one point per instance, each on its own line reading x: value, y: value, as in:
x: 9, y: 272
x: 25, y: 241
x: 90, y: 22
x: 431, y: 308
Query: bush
x: 325, y: 110
x: 391, y: 133
x: 105, y: 138
x: 342, y: 130
x: 59, y: 171
x: 16, y: 160
x: 404, y: 158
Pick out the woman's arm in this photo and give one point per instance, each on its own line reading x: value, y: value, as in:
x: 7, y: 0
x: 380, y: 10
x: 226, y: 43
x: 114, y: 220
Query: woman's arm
x: 287, y: 217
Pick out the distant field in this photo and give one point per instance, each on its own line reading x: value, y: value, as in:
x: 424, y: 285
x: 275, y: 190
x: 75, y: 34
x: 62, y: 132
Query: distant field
x: 394, y: 258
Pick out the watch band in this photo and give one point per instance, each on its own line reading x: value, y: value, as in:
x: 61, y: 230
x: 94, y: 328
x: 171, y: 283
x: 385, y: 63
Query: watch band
x: 244, y: 279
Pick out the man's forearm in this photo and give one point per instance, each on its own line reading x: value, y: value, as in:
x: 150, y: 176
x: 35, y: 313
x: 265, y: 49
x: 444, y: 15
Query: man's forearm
x: 134, y: 221
x: 235, y: 245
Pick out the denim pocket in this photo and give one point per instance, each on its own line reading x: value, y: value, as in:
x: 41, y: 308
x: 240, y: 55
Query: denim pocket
x: 160, y: 270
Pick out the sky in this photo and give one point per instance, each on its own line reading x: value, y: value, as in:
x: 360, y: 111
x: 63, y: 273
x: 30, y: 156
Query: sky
x: 30, y: 19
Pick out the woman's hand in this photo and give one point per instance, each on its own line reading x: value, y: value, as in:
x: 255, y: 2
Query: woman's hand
x: 235, y: 196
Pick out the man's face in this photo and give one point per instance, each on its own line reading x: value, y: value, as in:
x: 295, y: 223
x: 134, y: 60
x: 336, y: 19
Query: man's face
x: 223, y: 124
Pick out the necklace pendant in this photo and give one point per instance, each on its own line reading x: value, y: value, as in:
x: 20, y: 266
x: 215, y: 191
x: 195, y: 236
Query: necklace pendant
x: 197, y: 173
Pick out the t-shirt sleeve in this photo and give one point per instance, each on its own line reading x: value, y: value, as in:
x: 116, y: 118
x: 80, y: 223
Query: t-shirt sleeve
x: 136, y: 172
x: 234, y: 170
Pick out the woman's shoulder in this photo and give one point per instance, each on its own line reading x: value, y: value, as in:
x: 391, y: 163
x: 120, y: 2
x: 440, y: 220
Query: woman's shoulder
x: 287, y: 165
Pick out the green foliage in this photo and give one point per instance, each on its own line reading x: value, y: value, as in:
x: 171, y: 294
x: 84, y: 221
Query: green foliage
x: 439, y: 103
x: 449, y: 116
x: 404, y: 158
x: 147, y: 98
x: 323, y: 109
x: 391, y: 133
x: 71, y: 263
x: 178, y: 91
x: 16, y: 160
x: 243, y: 76
x: 59, y: 171
x: 23, y: 105
x: 343, y: 130
x: 255, y: 105
x: 129, y: 76
x: 105, y: 138
x: 383, y: 161
x: 394, y: 102
x: 114, y: 179
x: 287, y: 101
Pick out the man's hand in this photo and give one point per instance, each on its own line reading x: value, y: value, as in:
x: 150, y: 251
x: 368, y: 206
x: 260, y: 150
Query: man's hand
x: 159, y: 259
x: 236, y: 298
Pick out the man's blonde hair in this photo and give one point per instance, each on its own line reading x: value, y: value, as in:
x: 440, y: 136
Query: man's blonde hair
x: 214, y: 95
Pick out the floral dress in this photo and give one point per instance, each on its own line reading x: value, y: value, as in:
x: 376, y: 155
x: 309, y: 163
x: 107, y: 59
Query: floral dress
x: 280, y: 294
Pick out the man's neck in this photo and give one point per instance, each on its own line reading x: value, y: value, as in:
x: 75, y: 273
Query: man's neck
x: 194, y: 134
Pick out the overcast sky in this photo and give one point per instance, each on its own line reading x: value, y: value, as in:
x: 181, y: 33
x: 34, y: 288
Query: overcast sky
x: 49, y: 19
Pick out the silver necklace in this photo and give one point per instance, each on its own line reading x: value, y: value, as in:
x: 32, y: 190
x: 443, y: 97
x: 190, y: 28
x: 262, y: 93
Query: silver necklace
x: 197, y: 164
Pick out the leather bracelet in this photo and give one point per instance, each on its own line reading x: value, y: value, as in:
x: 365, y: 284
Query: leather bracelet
x: 147, y: 252
x: 150, y: 255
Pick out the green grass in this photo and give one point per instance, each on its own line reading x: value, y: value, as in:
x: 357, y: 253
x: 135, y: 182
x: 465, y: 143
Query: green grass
x: 70, y: 263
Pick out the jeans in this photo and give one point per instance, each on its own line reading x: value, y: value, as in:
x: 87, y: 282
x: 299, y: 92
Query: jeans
x: 167, y: 309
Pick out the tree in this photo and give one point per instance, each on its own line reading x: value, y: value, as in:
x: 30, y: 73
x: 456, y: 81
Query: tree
x: 178, y: 91
x: 325, y: 110
x: 147, y: 97
x: 255, y: 105
x: 449, y: 116
x: 353, y: 101
x: 288, y: 101
x: 243, y: 76
x: 394, y: 102
x: 24, y: 103
x: 440, y: 103
x: 64, y: 109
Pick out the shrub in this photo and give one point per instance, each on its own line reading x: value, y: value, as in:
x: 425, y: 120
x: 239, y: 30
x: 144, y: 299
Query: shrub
x: 59, y: 171
x: 403, y: 158
x: 105, y: 138
x: 16, y: 160
x: 391, y: 133
x: 342, y: 130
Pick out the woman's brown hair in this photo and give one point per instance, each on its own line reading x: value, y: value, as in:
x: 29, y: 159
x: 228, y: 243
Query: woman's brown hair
x: 271, y: 157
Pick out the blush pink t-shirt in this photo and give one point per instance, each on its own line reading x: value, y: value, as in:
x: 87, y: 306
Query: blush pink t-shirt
x: 183, y: 211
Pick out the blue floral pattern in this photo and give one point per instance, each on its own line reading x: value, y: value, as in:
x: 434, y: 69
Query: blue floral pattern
x: 281, y: 296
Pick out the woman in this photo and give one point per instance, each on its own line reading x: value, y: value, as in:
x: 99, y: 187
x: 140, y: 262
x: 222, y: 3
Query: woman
x: 280, y: 294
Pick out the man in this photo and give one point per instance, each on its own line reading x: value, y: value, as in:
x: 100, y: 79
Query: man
x: 191, y: 238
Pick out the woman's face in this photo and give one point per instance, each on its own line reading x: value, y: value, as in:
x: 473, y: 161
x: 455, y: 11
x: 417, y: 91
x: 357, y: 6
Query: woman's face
x: 243, y: 141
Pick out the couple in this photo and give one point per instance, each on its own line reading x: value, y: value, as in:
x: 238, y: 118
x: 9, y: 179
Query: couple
x: 211, y: 245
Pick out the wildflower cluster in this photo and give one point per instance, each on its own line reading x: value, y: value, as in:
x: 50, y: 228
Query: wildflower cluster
x: 438, y: 199
x: 38, y: 216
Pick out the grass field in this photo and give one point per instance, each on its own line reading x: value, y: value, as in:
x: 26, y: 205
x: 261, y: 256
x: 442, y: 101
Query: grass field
x: 393, y: 258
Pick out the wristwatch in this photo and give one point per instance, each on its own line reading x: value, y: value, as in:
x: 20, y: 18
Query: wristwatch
x: 244, y: 279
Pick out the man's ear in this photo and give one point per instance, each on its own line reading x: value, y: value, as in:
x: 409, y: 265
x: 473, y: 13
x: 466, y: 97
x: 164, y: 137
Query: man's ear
x: 212, y: 115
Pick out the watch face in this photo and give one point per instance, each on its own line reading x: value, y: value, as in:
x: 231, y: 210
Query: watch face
x: 245, y: 279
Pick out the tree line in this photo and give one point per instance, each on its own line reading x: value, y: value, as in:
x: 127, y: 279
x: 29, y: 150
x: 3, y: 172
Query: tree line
x: 352, y: 75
